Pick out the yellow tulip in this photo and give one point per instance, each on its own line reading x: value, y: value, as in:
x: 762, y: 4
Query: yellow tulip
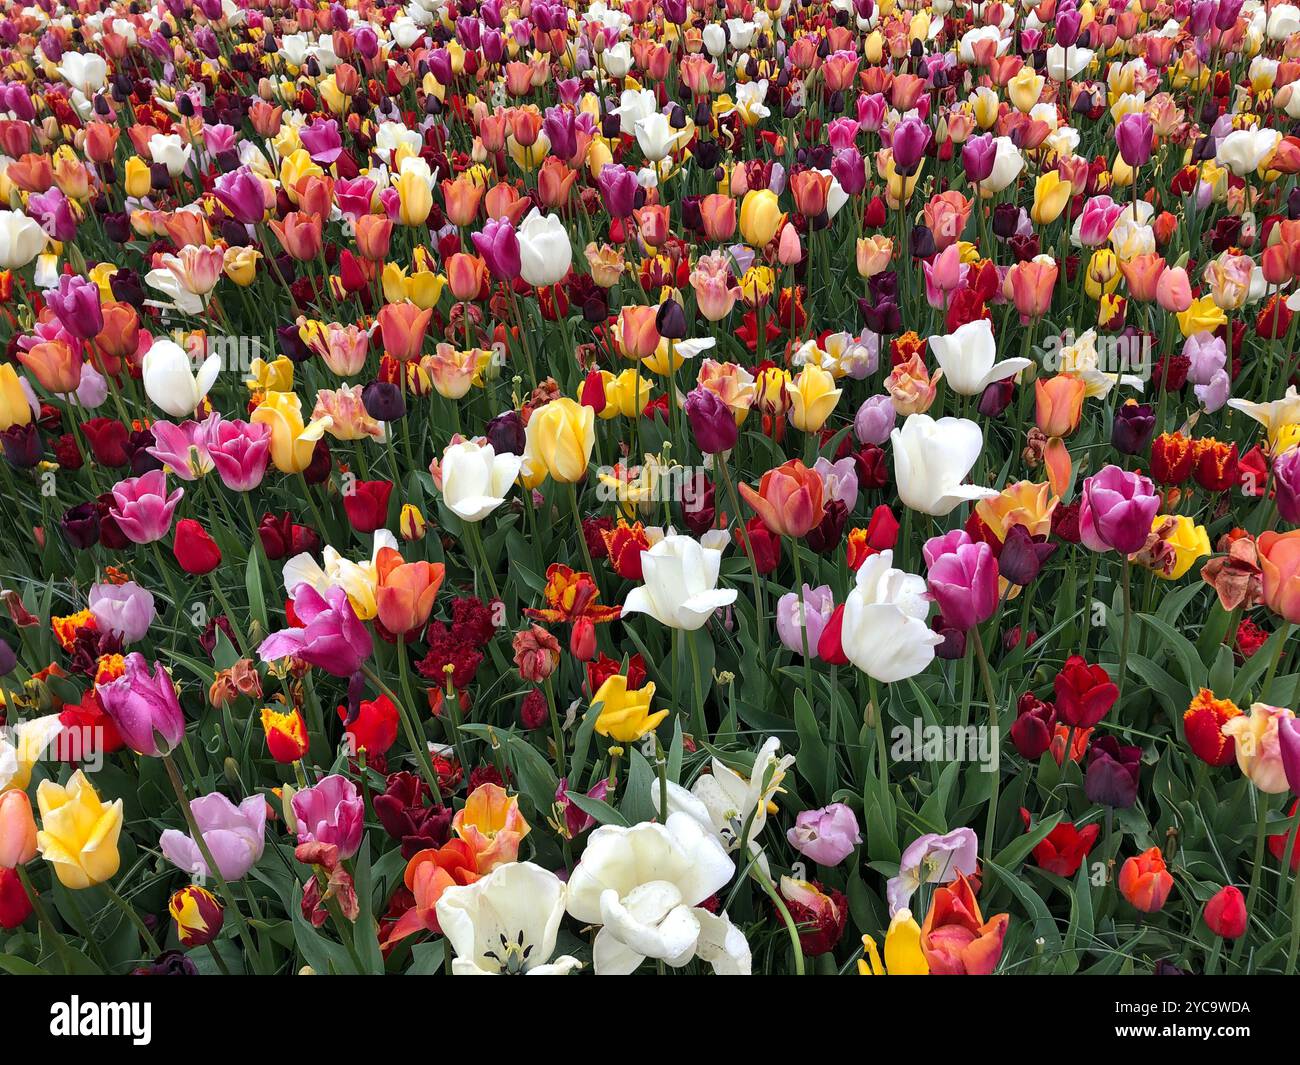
x: 986, y: 107
x: 241, y: 265
x: 296, y: 166
x: 416, y: 199
x: 1051, y: 196
x: 79, y: 832
x: 813, y: 396
x: 559, y: 438
x: 760, y: 217
x: 626, y: 393
x: 292, y: 442
x: 1188, y: 541
x: 138, y: 180
x: 14, y: 408
x: 625, y: 715
x: 273, y: 376
x: 1203, y: 316
x: 903, y: 953
x: 1024, y: 89
x: 1103, y: 273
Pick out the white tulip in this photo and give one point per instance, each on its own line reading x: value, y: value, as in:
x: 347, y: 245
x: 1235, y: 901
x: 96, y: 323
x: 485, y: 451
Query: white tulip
x: 634, y: 105
x: 680, y: 589
x: 885, y: 633
x: 1007, y: 164
x: 85, y: 72
x: 643, y: 885
x: 967, y: 356
x: 545, y: 253
x: 170, y: 381
x: 404, y: 31
x: 166, y: 148
x: 657, y: 137
x: 966, y: 46
x: 617, y: 60
x: 475, y: 479
x: 742, y: 33
x: 1283, y: 21
x: 715, y: 39
x: 22, y: 745
x: 505, y: 924
x: 21, y: 240
x: 1063, y: 63
x: 1243, y: 150
x: 931, y: 459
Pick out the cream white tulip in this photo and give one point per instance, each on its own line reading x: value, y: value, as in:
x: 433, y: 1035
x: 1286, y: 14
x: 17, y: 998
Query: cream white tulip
x: 931, y: 458
x: 170, y: 381
x: 656, y: 136
x: 22, y: 745
x: 505, y: 924
x: 1007, y: 164
x: 475, y: 479
x: 634, y: 105
x: 167, y: 149
x: 1243, y: 150
x: 885, y: 633
x: 968, y: 357
x: 545, y: 253
x: 1283, y: 21
x: 643, y: 885
x: 680, y: 589
x: 21, y: 240
x: 86, y: 72
x: 1064, y: 63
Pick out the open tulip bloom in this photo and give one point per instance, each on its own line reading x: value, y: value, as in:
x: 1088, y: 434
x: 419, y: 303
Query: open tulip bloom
x: 594, y: 488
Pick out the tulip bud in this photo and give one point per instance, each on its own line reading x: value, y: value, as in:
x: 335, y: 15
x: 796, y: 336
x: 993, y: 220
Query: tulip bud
x: 411, y: 523
x: 1225, y: 913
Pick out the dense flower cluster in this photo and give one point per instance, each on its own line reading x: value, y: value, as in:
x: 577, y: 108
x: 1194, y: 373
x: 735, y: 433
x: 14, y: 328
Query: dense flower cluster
x: 712, y: 486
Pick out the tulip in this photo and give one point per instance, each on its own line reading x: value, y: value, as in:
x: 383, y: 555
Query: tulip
x: 1112, y: 775
x: 169, y: 381
x: 813, y: 396
x: 476, y: 480
x: 406, y: 591
x: 1051, y: 197
x: 625, y: 714
x: 1259, y: 749
x: 545, y: 253
x: 79, y: 832
x: 144, y: 707
x: 955, y: 938
x: 240, y: 452
x: 968, y: 356
x: 17, y: 830
x: 796, y: 614
x: 680, y: 589
x: 198, y: 914
x: 828, y: 835
x: 142, y: 509
x: 712, y: 423
x: 331, y: 812
x: 1145, y: 881
x: 55, y: 364
x: 15, y: 407
x: 499, y: 247
x: 931, y: 458
x: 235, y: 837
x: 195, y: 550
x: 789, y: 499
x: 286, y: 735
x: 331, y: 637
x: 883, y: 630
x: 1225, y: 912
x: 963, y: 579
x: 1117, y: 508
x: 21, y: 240
x: 760, y: 217
x: 560, y: 438
x: 293, y: 444
x: 126, y: 610
x: 403, y: 326
x: 1135, y: 136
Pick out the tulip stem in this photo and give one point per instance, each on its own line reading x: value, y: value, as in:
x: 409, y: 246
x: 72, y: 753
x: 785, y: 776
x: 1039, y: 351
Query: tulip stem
x: 1277, y: 658
x: 1261, y: 834
x: 986, y: 676
x: 556, y: 732
x: 420, y: 749
x: 760, y: 631
x: 1124, y: 632
x: 477, y: 541
x: 178, y: 786
x: 582, y: 536
x: 802, y: 607
x: 882, y: 749
x: 135, y: 919
x: 43, y: 919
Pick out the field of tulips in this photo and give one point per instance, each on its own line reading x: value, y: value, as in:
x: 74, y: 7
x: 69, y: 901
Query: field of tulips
x: 659, y: 486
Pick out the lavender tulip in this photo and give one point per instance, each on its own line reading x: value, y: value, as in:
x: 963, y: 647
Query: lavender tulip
x: 235, y: 836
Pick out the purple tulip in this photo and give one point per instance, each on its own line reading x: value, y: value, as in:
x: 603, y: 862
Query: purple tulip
x: 1288, y: 741
x: 828, y: 835
x: 331, y: 812
x: 1134, y: 134
x: 1226, y: 15
x: 712, y: 423
x: 322, y: 141
x: 932, y: 859
x: 618, y: 188
x: 875, y: 420
x: 963, y: 579
x: 53, y: 212
x: 978, y: 156
x: 499, y: 247
x: 848, y: 168
x: 144, y: 708
x: 235, y: 836
x: 1116, y: 510
x: 812, y: 613
x: 1112, y: 775
x: 561, y: 128
x: 142, y: 508
x: 240, y: 451
x: 911, y: 138
x: 241, y: 193
x: 126, y: 610
x: 1068, y: 24
x: 76, y: 303
x: 332, y: 637
x: 1022, y: 555
x: 1286, y: 480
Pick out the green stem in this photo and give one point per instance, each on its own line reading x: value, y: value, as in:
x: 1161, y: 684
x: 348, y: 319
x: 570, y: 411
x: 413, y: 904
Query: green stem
x: 990, y: 823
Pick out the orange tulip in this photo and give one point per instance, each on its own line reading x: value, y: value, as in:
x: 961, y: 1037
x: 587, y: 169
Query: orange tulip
x: 789, y: 499
x: 374, y: 235
x: 635, y: 331
x: 55, y: 364
x: 1142, y: 273
x: 467, y: 275
x: 811, y: 192
x: 1279, y: 558
x: 1058, y: 404
x: 1145, y: 881
x: 429, y: 873
x: 462, y: 197
x: 492, y: 825
x: 405, y: 592
x: 300, y: 235
x: 402, y: 326
x: 17, y: 829
x: 718, y: 214
x: 555, y: 182
x: 955, y: 939
x: 1031, y: 285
